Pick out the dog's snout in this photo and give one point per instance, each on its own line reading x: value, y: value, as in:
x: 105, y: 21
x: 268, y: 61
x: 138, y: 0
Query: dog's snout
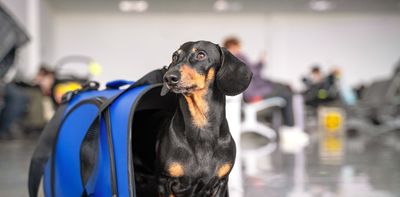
x: 171, y: 78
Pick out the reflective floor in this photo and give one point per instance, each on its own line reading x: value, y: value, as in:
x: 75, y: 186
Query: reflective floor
x: 329, y: 166
x: 14, y: 164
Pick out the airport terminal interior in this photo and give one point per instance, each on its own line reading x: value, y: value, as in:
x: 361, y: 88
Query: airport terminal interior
x: 319, y: 118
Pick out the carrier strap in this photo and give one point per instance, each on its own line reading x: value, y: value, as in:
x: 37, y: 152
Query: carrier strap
x: 43, y: 151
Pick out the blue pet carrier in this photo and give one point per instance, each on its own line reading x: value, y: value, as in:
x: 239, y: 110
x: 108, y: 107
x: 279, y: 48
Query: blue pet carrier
x: 100, y: 143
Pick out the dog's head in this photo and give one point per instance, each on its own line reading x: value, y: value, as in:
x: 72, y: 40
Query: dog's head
x: 196, y: 65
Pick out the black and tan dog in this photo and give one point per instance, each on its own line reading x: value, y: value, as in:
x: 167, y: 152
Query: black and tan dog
x: 196, y: 153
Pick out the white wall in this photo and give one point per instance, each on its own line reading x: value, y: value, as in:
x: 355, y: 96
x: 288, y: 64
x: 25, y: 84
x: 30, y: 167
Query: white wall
x: 129, y: 46
x: 46, y: 32
x: 364, y: 46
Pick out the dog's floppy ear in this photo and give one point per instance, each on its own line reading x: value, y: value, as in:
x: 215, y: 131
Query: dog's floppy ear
x: 233, y: 76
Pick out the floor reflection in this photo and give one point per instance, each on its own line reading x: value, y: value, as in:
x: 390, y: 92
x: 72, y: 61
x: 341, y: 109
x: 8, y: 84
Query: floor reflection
x: 331, y: 165
x: 14, y: 164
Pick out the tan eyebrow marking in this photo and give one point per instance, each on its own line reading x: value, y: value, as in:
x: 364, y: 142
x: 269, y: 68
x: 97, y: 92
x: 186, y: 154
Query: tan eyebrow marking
x: 179, y: 51
x: 194, y: 49
x: 224, y: 169
x: 175, y: 169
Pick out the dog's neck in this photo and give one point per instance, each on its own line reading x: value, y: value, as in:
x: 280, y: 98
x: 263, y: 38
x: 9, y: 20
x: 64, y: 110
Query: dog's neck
x: 202, y: 112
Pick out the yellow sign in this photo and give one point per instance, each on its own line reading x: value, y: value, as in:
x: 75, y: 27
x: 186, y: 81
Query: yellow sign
x: 332, y: 121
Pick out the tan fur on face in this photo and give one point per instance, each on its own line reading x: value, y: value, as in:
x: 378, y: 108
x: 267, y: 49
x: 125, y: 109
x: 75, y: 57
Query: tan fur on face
x: 176, y: 170
x: 196, y: 101
x: 190, y: 77
x: 224, y: 169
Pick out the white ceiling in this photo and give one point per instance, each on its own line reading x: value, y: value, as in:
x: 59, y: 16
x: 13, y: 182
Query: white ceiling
x: 248, y: 6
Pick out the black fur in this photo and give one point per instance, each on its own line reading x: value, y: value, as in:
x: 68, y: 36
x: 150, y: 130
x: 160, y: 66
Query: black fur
x: 200, y: 150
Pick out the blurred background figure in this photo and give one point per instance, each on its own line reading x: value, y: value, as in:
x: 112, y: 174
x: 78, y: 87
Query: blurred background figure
x: 320, y: 89
x: 24, y: 111
x: 45, y: 80
x: 315, y: 76
x: 40, y: 107
x: 15, y: 104
x: 261, y: 88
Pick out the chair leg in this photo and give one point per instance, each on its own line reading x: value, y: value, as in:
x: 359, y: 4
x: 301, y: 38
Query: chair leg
x: 261, y: 130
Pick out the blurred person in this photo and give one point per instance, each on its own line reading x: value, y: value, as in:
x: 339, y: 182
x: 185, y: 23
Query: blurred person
x: 315, y: 76
x: 45, y: 80
x: 40, y: 105
x: 260, y: 88
x: 322, y: 89
x: 14, y: 106
x: 23, y: 109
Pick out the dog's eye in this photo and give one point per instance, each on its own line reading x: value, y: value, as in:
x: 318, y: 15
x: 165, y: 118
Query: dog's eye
x: 174, y: 58
x: 201, y: 56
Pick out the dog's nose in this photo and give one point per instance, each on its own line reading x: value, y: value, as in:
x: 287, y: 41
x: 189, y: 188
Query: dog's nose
x: 171, y: 79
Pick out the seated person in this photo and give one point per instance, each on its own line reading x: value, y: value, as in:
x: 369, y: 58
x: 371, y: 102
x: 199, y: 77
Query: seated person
x: 321, y: 89
x: 23, y: 108
x: 15, y: 102
x: 259, y: 88
x: 315, y: 77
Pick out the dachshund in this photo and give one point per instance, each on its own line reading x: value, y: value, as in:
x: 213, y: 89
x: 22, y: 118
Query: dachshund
x: 196, y: 152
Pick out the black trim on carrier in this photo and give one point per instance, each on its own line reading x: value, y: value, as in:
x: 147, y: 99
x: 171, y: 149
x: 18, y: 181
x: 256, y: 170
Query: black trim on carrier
x: 131, y: 170
x: 141, y: 103
x: 113, y: 177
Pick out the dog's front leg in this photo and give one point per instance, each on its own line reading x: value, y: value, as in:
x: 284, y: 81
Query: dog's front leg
x: 167, y: 187
x: 164, y: 187
x: 176, y: 187
x: 221, y: 190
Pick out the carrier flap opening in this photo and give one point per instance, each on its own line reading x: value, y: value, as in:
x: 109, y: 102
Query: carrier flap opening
x: 152, y: 116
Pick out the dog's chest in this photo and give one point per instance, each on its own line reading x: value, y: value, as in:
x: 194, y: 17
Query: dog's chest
x: 204, y: 161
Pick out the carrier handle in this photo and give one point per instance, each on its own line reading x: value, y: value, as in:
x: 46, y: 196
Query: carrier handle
x: 116, y: 84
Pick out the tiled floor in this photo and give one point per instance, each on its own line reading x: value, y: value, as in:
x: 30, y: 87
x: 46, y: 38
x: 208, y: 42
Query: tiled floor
x: 357, y: 166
